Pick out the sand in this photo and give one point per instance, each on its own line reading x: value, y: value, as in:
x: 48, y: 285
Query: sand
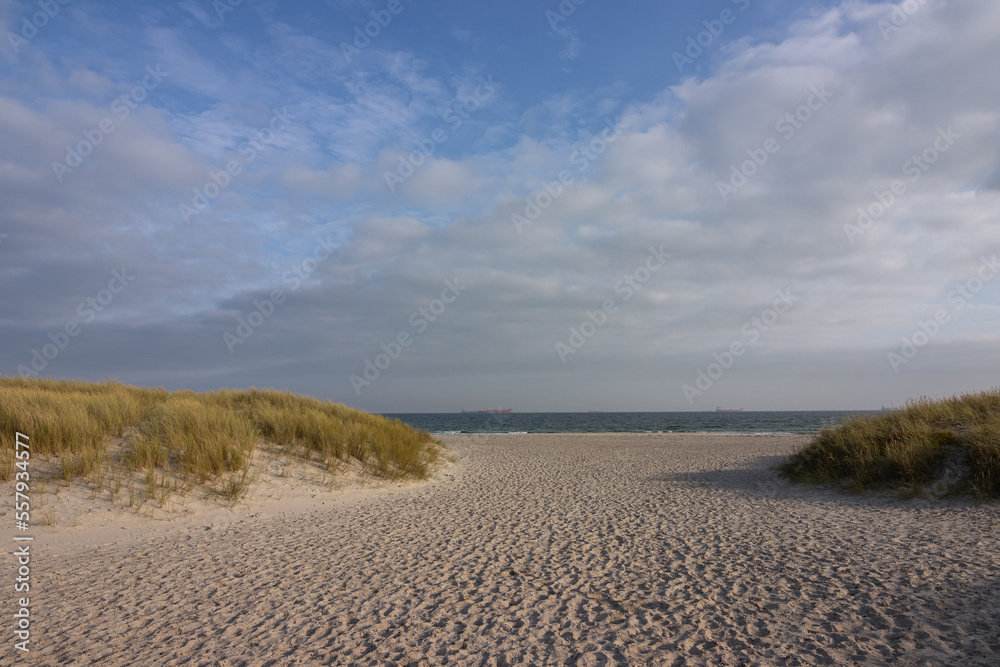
x: 534, y: 549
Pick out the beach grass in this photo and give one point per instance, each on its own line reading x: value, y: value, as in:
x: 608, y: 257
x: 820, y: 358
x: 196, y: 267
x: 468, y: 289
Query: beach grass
x: 153, y: 443
x: 946, y: 447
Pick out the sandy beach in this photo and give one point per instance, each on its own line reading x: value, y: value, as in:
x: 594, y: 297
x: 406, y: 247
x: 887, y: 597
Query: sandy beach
x: 620, y: 549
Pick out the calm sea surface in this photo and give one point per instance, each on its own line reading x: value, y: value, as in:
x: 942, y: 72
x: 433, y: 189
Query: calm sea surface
x: 625, y: 422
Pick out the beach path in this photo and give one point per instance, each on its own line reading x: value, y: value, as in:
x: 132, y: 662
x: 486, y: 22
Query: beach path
x: 545, y: 550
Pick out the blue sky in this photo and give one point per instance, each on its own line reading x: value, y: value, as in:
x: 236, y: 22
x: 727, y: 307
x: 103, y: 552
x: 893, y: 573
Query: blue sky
x: 543, y: 205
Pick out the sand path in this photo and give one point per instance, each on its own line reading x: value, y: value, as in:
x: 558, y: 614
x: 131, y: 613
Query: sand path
x: 546, y: 550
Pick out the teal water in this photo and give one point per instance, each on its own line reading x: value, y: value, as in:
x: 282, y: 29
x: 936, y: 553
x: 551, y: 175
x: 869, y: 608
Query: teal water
x: 625, y: 422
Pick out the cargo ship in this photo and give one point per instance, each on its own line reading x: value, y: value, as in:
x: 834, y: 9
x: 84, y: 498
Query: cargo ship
x: 729, y: 409
x: 498, y: 411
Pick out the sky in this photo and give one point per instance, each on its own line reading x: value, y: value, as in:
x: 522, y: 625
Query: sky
x: 428, y: 206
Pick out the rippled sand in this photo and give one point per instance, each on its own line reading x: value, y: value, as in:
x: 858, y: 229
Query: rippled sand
x: 545, y: 549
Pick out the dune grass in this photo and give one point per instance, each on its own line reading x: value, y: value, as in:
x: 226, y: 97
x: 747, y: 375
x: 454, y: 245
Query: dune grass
x: 952, y: 444
x: 111, y: 434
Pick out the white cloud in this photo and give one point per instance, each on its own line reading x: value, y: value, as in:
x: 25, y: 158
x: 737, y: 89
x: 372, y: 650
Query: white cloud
x: 654, y: 185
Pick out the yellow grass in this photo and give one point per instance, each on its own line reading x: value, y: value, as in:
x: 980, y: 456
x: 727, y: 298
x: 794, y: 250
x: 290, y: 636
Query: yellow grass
x: 908, y: 449
x: 111, y: 434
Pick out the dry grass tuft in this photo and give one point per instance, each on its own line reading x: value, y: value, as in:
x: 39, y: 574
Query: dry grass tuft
x: 906, y: 450
x: 155, y: 442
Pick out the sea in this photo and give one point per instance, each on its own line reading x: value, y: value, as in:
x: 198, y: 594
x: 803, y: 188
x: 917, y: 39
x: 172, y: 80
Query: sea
x: 453, y: 423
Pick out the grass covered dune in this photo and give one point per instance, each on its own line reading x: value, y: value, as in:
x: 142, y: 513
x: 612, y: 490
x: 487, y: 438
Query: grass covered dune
x: 945, y: 447
x: 152, y: 442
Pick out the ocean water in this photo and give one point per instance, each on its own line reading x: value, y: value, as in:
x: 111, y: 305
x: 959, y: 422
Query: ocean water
x: 625, y: 422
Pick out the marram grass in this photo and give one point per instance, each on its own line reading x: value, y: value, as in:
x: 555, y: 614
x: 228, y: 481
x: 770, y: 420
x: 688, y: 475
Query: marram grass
x: 949, y: 446
x: 108, y: 433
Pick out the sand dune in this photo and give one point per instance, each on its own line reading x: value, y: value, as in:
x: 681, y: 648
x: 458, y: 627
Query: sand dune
x: 542, y: 549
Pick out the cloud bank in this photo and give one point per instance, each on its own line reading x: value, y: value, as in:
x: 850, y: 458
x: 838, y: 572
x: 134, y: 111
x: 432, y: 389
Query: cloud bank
x: 816, y: 196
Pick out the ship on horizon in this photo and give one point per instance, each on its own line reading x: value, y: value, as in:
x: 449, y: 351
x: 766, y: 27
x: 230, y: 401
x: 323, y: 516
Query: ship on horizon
x: 491, y: 411
x: 718, y: 409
